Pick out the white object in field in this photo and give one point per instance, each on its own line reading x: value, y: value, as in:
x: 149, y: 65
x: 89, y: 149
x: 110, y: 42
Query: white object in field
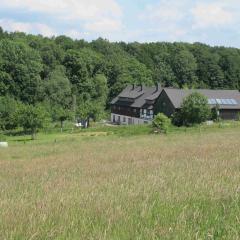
x: 78, y: 125
x: 4, y: 144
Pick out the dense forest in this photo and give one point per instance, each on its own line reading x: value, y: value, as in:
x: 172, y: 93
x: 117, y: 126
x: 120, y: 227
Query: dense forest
x: 78, y: 78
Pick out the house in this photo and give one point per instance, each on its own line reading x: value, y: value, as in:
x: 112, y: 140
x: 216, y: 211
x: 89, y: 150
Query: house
x: 135, y: 104
x: 139, y: 104
x: 228, y: 101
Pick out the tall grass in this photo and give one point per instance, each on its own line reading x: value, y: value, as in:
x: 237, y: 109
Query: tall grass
x: 179, y: 186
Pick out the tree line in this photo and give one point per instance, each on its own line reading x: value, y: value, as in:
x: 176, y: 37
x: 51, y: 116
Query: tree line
x: 75, y: 78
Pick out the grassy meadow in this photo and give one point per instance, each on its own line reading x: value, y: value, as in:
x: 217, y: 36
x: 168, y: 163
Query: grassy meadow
x: 106, y: 183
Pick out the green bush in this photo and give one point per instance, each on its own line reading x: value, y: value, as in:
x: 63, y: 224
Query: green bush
x: 215, y: 114
x: 194, y: 110
x: 177, y: 119
x: 238, y: 117
x: 161, y: 122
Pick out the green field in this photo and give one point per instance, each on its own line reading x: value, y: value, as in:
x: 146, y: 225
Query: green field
x: 110, y: 183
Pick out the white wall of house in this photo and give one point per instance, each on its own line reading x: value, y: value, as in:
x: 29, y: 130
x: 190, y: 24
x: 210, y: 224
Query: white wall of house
x: 126, y: 120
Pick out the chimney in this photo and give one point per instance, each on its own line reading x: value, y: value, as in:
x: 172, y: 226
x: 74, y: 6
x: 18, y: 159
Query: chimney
x: 141, y: 87
x: 133, y: 86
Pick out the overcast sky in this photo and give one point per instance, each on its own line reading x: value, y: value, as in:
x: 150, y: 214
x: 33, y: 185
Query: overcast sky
x: 215, y: 22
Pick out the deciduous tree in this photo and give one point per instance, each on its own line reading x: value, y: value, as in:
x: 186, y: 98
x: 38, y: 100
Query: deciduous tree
x: 33, y: 118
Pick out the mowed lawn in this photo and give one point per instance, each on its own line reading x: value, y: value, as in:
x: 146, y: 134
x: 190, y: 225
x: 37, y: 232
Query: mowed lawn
x: 179, y: 186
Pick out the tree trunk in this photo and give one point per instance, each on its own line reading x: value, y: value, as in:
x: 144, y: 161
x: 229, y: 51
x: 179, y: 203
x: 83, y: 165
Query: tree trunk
x: 61, y: 126
x: 74, y: 101
x: 33, y: 135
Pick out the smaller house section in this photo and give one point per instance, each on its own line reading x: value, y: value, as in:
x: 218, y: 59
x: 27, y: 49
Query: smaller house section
x: 228, y: 101
x: 135, y: 104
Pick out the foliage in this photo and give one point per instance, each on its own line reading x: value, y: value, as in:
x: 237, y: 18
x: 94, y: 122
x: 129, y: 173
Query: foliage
x: 60, y: 114
x: 184, y: 67
x: 57, y: 88
x: 21, y: 65
x: 8, y: 113
x: 161, y: 122
x: 215, y: 113
x: 177, y: 118
x: 238, y: 117
x: 194, y: 110
x: 32, y: 118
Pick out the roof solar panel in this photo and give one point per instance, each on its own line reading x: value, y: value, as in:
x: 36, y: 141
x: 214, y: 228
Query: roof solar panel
x: 220, y: 101
x: 211, y: 101
x: 224, y: 102
x: 228, y: 101
x: 234, y: 102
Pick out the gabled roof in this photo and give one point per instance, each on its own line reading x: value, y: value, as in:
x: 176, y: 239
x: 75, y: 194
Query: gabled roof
x: 132, y: 94
x: 139, y: 94
x: 177, y: 95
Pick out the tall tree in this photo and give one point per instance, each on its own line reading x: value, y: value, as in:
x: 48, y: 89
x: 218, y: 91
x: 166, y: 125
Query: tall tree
x: 57, y: 88
x: 22, y: 66
x: 8, y: 113
x: 184, y: 67
x: 209, y: 72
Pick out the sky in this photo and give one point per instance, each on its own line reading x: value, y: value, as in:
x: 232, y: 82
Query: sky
x: 214, y: 22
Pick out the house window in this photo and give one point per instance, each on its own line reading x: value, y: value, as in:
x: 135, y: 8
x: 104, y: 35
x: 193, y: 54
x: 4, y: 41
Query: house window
x: 114, y: 118
x: 145, y: 111
x: 124, y: 119
x: 119, y: 119
x: 151, y: 114
x: 134, y: 110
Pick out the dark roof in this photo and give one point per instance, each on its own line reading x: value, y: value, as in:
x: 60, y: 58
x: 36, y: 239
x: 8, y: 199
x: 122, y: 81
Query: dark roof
x: 139, y: 94
x: 133, y: 94
x: 154, y: 96
x: 177, y: 95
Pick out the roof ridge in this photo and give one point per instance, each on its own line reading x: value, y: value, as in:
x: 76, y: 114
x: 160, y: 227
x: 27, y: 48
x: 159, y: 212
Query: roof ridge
x: 202, y: 89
